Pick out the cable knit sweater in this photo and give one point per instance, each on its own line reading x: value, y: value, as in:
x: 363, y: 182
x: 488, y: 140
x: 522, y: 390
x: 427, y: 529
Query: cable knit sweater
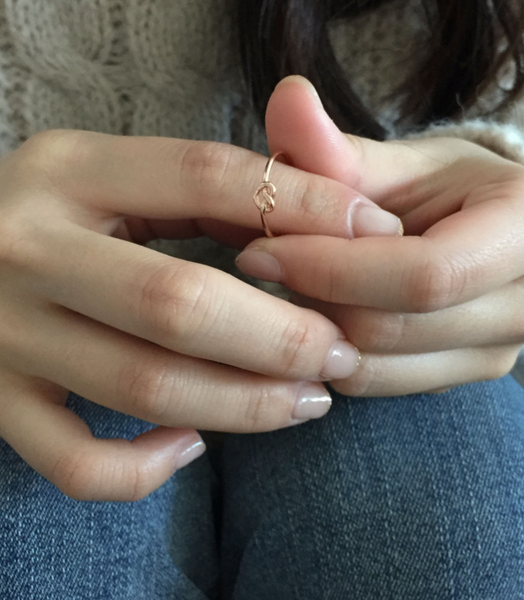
x: 172, y: 68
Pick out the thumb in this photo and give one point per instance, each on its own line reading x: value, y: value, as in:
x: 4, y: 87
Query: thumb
x: 298, y: 125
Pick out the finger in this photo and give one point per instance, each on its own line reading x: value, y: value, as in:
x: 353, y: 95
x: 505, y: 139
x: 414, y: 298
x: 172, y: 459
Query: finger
x: 297, y: 124
x: 163, y: 178
x: 398, y: 375
x: 465, y: 256
x: 60, y: 446
x: 149, y: 382
x: 189, y: 308
x: 495, y: 318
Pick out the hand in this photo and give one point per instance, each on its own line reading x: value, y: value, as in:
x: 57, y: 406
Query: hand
x: 178, y: 344
x: 437, y: 308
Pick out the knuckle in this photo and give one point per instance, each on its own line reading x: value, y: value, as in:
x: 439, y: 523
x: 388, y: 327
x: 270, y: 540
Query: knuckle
x: 20, y: 246
x: 298, y: 345
x: 147, y: 387
x: 377, y: 331
x: 174, y: 301
x: 434, y: 284
x: 257, y: 413
x: 77, y: 476
x: 207, y: 165
x: 49, y: 155
x: 265, y: 410
x: 334, y: 273
x: 316, y: 200
x: 14, y: 234
x: 135, y: 481
x: 84, y: 478
x: 35, y: 168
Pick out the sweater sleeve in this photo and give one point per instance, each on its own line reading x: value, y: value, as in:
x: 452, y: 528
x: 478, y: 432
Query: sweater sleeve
x: 504, y: 136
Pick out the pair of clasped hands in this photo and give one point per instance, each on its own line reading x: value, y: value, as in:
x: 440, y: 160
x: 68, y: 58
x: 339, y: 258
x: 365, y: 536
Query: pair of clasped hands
x: 84, y: 306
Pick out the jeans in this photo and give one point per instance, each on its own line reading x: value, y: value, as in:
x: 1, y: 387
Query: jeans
x: 416, y: 497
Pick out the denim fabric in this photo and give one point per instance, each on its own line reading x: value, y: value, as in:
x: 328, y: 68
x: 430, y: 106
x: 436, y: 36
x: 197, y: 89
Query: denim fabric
x: 412, y: 498
x: 415, y: 497
x: 55, y: 548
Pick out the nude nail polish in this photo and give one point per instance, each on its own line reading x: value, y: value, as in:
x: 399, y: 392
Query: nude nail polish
x: 259, y: 264
x: 313, y: 402
x: 369, y: 220
x: 343, y: 359
x: 194, y: 447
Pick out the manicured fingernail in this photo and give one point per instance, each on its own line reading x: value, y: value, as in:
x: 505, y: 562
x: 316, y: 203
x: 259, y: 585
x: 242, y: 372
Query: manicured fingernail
x: 373, y: 221
x: 312, y: 402
x: 342, y: 361
x: 260, y: 264
x: 194, y: 447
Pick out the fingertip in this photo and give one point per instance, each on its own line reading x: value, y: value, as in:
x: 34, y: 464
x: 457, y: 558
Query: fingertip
x: 194, y: 448
x: 256, y: 262
x: 369, y: 220
x: 117, y: 470
x: 298, y: 125
x: 170, y: 449
x: 178, y: 447
x: 303, y: 81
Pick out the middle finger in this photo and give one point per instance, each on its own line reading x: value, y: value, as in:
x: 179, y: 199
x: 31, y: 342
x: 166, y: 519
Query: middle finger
x: 187, y: 307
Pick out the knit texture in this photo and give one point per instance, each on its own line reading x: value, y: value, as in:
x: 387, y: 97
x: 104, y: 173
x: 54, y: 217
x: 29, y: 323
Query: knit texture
x: 172, y: 68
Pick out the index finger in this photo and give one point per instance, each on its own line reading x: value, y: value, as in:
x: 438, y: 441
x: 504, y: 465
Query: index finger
x: 165, y: 178
x: 461, y: 258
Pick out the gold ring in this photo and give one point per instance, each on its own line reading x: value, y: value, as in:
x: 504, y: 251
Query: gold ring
x: 264, y: 196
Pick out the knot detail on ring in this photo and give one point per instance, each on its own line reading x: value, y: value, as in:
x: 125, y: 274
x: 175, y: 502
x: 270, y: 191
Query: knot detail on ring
x: 264, y: 196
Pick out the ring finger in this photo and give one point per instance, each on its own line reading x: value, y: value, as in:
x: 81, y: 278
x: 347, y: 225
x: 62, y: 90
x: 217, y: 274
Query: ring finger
x: 398, y: 375
x: 495, y: 318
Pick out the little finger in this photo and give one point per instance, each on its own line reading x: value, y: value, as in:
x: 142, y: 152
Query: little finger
x: 60, y: 446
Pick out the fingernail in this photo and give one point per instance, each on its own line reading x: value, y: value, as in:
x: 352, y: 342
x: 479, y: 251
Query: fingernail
x: 342, y: 361
x: 309, y: 87
x: 194, y: 447
x: 373, y: 221
x: 260, y: 264
x: 312, y: 402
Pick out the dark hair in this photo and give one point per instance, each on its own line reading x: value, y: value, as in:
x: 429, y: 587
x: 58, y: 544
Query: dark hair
x: 471, y: 41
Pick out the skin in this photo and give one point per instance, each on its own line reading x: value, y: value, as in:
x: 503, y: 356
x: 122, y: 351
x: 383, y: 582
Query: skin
x: 439, y: 307
x: 85, y: 307
x: 185, y: 346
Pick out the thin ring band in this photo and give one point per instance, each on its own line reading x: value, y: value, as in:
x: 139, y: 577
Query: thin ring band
x: 268, y: 192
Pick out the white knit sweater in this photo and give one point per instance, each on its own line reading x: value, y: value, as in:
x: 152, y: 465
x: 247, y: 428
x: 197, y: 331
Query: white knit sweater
x: 172, y: 68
